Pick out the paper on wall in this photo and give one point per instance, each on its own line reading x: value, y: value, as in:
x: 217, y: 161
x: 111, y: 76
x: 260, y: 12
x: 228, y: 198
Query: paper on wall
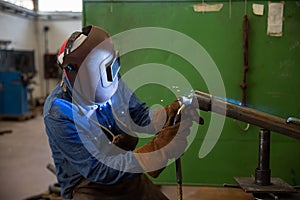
x: 275, y: 19
x: 258, y: 9
x: 207, y: 7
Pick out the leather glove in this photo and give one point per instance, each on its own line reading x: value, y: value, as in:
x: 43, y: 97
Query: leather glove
x: 125, y: 141
x: 191, y: 113
x: 165, y: 115
x: 169, y: 143
x: 128, y: 142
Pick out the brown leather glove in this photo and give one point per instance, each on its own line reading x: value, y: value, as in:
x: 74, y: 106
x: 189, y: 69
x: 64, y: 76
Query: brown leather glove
x: 191, y: 113
x: 125, y: 141
x: 165, y: 115
x: 169, y: 143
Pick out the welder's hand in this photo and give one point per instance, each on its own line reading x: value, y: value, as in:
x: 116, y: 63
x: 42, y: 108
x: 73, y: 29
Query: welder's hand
x: 190, y: 112
x: 125, y: 142
x: 169, y: 143
x: 165, y: 115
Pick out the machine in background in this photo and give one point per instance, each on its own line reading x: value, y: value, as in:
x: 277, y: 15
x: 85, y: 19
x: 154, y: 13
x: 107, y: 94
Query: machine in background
x: 17, y: 70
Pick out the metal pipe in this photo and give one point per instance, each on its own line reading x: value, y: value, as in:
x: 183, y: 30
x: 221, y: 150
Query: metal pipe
x: 263, y: 172
x: 179, y: 178
x: 207, y: 102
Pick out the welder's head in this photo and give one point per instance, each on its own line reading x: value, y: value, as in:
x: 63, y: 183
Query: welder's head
x: 91, y: 64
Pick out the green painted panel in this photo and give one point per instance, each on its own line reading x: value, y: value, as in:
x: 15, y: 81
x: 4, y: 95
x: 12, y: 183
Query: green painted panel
x: 273, y: 78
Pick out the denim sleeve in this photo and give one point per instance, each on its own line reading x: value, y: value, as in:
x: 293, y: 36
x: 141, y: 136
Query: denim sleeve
x: 85, y: 147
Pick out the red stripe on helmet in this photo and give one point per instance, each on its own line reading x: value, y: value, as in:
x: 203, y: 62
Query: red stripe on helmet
x: 63, y: 46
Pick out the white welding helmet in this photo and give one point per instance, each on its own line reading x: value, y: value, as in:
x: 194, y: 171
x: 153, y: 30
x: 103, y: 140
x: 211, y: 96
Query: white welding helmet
x: 91, y: 64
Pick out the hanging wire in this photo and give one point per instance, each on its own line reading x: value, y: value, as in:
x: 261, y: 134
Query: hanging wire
x: 245, y: 29
x: 229, y: 9
x: 245, y: 7
x: 111, y: 7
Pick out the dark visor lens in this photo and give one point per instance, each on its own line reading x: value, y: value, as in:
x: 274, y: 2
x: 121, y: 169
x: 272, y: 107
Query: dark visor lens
x: 113, y: 69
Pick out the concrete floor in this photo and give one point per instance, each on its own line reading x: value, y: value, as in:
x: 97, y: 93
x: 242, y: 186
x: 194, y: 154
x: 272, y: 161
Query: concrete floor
x: 25, y: 153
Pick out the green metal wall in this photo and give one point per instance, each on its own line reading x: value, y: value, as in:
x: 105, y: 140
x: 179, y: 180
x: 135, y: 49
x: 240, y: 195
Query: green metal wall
x: 273, y: 78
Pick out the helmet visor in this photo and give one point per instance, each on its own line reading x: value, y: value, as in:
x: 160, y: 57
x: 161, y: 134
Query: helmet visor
x: 112, y: 69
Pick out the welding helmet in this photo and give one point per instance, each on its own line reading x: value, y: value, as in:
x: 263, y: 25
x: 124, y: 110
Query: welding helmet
x: 90, y: 64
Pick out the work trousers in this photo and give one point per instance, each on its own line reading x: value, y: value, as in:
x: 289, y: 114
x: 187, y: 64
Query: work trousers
x: 139, y: 188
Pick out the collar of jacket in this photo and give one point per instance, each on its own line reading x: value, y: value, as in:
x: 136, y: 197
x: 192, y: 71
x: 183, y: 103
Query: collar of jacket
x: 85, y: 107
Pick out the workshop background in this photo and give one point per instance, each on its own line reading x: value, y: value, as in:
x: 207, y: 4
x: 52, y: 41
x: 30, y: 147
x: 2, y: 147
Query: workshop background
x: 29, y: 40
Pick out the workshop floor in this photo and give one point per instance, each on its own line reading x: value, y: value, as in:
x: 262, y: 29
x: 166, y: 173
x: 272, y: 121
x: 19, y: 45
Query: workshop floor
x: 24, y: 155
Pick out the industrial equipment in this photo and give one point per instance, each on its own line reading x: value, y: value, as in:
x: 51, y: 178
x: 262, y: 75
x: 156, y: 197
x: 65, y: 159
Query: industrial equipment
x: 262, y: 183
x: 17, y: 70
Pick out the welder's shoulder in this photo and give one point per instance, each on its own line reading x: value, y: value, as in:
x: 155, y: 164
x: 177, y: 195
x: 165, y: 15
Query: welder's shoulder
x: 58, y: 107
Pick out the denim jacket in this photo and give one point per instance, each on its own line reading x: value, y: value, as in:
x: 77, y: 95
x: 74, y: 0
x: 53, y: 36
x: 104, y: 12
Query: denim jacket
x: 80, y: 148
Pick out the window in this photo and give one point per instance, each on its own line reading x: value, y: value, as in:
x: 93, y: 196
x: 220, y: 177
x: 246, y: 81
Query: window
x: 60, y: 5
x: 22, y: 3
x: 50, y: 5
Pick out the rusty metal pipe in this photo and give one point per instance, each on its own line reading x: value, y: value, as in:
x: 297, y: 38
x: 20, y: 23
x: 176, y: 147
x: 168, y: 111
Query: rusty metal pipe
x: 207, y: 102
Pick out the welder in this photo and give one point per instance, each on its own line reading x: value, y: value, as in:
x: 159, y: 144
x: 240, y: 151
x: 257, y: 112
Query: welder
x: 93, y: 119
